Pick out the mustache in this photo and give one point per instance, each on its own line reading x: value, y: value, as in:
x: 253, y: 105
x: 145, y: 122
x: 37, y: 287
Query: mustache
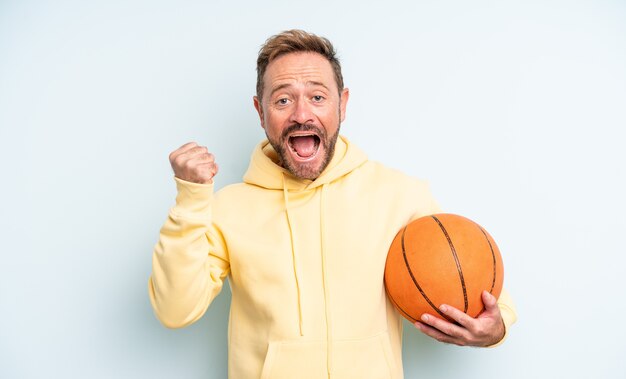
x: 303, y: 128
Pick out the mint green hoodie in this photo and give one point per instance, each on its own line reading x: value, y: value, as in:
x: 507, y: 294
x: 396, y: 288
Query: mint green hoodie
x: 305, y: 260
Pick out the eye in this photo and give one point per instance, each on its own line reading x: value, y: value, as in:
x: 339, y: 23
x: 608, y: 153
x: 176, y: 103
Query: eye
x: 282, y: 101
x: 318, y: 98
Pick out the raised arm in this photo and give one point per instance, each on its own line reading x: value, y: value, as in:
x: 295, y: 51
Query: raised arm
x: 190, y: 261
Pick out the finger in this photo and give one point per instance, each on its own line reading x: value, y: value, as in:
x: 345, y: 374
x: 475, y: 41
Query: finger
x: 445, y: 327
x: 201, y: 158
x: 194, y: 151
x: 183, y: 159
x: 182, y: 149
x: 490, y: 302
x: 202, y: 173
x: 436, y: 334
x: 209, y: 167
x: 491, y: 317
x: 457, y: 315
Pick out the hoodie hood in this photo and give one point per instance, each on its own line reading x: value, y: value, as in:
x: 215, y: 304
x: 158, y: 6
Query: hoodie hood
x: 265, y: 172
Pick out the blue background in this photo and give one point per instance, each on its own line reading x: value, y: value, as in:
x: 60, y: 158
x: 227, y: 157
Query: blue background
x: 513, y: 110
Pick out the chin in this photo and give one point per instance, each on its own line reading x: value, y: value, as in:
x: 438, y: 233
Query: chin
x: 305, y: 170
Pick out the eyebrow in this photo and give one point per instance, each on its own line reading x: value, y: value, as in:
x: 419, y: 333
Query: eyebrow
x: 314, y: 83
x: 309, y: 83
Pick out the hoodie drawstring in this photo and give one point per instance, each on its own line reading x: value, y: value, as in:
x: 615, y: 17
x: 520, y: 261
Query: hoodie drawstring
x: 293, y: 254
x: 329, y: 340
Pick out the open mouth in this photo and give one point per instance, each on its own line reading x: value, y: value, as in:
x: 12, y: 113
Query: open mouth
x: 304, y: 145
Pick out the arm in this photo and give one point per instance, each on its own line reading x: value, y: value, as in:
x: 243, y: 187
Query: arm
x: 489, y: 329
x: 189, y: 262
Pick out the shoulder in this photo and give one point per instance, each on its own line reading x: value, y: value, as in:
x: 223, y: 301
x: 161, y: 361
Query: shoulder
x: 231, y: 188
x: 387, y: 176
x: 242, y: 196
x: 233, y: 192
x: 413, y: 193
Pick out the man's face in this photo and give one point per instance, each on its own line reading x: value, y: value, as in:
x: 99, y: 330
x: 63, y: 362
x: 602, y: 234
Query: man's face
x: 301, y: 111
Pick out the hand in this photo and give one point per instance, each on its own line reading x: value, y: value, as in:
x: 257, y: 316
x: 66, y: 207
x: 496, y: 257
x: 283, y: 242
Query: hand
x: 485, y: 330
x: 193, y: 163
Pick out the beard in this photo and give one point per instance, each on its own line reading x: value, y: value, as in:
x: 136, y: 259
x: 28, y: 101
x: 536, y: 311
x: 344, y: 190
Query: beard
x: 305, y: 170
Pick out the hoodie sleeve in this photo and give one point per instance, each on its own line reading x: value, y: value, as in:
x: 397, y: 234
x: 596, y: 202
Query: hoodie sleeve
x: 423, y: 201
x: 190, y: 260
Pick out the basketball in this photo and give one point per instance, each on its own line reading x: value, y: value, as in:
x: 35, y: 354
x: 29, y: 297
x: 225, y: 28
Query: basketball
x: 442, y: 259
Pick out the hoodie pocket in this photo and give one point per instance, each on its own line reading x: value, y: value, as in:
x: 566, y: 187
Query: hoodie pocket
x: 368, y: 357
x: 289, y: 360
x: 362, y: 358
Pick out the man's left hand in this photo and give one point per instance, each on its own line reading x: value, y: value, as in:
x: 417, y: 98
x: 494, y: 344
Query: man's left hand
x: 484, y: 330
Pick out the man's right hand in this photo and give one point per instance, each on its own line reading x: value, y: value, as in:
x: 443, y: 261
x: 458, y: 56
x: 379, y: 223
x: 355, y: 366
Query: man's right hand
x: 193, y: 163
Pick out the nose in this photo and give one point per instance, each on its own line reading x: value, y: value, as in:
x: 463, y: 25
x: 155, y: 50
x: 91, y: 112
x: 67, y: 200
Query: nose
x: 302, y: 112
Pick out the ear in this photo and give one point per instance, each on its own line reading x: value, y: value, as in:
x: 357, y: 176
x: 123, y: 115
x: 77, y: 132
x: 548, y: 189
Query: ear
x: 259, y: 109
x: 345, y: 94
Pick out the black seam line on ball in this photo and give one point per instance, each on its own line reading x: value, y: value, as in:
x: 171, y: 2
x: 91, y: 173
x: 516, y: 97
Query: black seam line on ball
x: 408, y: 267
x: 456, y: 260
x: 493, y: 255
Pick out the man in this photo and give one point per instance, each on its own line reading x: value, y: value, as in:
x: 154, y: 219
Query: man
x: 303, y: 240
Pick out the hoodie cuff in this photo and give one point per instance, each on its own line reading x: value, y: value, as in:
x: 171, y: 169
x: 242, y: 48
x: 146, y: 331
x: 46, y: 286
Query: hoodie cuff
x: 193, y: 199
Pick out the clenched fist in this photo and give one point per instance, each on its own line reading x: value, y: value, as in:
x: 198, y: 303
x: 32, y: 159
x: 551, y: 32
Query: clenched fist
x: 193, y: 163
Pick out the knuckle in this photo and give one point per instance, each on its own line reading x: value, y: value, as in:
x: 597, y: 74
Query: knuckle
x: 178, y: 161
x: 188, y: 164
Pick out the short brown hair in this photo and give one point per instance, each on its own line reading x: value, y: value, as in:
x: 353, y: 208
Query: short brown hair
x: 294, y: 41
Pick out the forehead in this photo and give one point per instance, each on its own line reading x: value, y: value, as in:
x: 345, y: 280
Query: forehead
x: 300, y: 67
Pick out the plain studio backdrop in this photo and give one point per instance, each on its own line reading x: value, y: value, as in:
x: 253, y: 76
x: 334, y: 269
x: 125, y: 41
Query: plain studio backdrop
x: 513, y: 111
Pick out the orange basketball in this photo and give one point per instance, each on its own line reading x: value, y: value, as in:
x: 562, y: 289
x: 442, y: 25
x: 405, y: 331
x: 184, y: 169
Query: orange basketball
x: 442, y: 259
